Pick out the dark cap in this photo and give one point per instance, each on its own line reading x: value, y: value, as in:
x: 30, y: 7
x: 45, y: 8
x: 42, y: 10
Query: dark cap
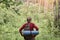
x: 29, y: 19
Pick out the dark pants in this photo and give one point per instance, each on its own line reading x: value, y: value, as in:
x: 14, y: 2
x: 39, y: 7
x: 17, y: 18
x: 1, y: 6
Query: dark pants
x: 29, y: 38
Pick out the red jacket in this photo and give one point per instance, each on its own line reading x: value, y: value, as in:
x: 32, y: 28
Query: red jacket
x: 32, y: 25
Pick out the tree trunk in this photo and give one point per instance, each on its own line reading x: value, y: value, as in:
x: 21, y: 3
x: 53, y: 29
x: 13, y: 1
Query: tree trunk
x: 57, y: 16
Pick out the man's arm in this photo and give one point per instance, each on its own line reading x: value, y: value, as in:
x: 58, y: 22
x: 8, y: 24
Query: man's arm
x: 21, y: 29
x: 35, y: 27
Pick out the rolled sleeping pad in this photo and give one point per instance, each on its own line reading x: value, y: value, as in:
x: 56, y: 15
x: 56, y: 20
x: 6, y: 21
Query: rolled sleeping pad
x: 34, y: 32
x: 26, y: 32
x: 30, y: 32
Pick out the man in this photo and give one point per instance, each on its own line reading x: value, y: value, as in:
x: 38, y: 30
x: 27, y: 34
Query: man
x: 28, y: 26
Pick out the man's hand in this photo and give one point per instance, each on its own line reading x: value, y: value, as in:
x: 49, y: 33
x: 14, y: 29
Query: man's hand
x: 21, y: 33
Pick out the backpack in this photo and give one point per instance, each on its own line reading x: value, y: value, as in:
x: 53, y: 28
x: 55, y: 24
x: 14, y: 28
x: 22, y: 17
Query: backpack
x: 27, y: 27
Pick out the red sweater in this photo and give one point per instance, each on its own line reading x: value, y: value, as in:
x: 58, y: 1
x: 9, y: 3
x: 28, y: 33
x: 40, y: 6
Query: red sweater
x: 32, y: 26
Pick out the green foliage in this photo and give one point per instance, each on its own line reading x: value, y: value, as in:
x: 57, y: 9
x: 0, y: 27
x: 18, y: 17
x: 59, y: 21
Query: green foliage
x: 11, y: 21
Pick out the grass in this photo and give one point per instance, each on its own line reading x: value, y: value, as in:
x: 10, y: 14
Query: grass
x: 10, y: 22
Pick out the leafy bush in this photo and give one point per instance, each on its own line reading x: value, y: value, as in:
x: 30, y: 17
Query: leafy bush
x: 10, y: 22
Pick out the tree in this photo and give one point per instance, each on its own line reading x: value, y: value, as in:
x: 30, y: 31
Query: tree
x: 57, y: 16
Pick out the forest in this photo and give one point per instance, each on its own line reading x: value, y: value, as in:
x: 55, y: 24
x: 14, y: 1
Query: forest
x: 13, y: 14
